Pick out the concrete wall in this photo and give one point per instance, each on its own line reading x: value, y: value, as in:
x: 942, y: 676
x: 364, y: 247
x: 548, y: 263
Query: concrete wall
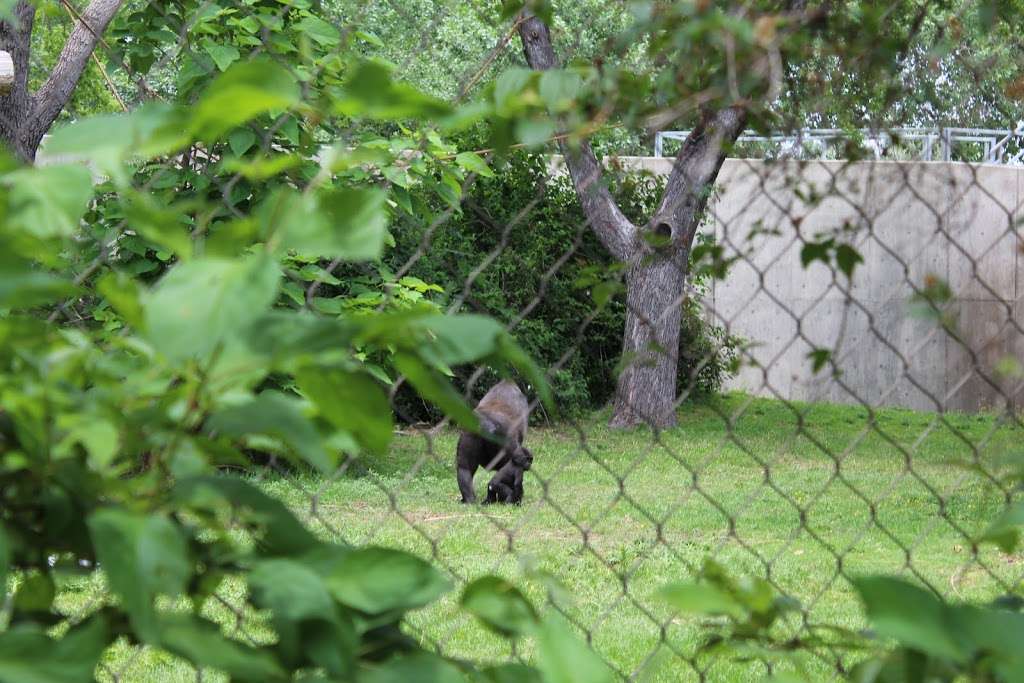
x: 909, y: 220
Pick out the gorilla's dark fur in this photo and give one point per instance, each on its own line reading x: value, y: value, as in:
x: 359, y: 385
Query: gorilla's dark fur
x: 503, y: 414
x: 507, y: 485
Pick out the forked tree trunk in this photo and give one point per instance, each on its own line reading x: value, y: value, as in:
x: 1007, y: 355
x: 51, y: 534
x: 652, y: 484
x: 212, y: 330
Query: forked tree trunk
x: 26, y: 116
x: 654, y: 283
x: 646, y: 388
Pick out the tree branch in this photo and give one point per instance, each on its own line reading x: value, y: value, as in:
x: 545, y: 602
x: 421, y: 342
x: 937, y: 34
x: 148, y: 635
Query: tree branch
x: 55, y: 92
x: 694, y: 172
x: 611, y: 226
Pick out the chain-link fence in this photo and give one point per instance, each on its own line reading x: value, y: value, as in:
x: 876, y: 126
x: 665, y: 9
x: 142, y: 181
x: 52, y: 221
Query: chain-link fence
x: 851, y: 331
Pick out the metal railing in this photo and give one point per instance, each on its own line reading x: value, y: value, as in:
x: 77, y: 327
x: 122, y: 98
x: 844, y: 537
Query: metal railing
x: 986, y: 145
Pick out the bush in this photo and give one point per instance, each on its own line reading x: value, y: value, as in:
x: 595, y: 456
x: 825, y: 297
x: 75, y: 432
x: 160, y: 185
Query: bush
x: 521, y: 244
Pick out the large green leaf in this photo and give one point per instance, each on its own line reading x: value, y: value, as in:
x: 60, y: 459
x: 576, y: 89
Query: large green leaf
x: 306, y: 618
x: 142, y: 556
x: 559, y: 89
x: 1005, y: 530
x: 122, y: 293
x: 289, y: 336
x: 28, y: 655
x: 48, y: 201
x: 379, y: 580
x: 352, y: 401
x: 279, y: 416
x: 345, y: 223
x: 245, y: 90
x: 434, y: 387
x: 319, y: 30
x: 909, y: 614
x: 202, y: 304
x: 421, y: 667
x: 161, y: 225
x: 201, y: 642
x: 701, y: 598
x: 277, y: 530
x: 500, y: 605
x: 108, y: 140
x: 508, y: 673
x: 25, y: 285
x: 457, y: 339
x: 563, y: 658
x: 371, y: 92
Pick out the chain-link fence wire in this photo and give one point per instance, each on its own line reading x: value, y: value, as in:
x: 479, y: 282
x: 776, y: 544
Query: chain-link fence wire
x: 777, y: 480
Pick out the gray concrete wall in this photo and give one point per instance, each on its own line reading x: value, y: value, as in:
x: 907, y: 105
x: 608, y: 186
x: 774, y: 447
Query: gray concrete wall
x: 910, y: 221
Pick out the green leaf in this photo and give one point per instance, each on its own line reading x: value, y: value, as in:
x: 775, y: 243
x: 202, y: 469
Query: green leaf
x: 278, y: 532
x: 372, y: 93
x: 563, y: 658
x: 911, y: 615
x: 559, y: 89
x: 379, y: 580
x: 28, y: 655
x: 500, y: 605
x: 319, y: 31
x: 473, y: 162
x: 508, y: 89
x: 819, y: 357
x: 306, y: 618
x: 814, y: 251
x: 152, y: 129
x: 222, y: 55
x: 263, y: 167
x: 352, y: 401
x: 370, y: 38
x: 514, y: 354
x: 241, y: 141
x: 243, y: 92
x: 35, y: 593
x: 458, y: 339
x: 700, y: 598
x: 508, y: 673
x: 278, y: 416
x: 1005, y: 530
x: 98, y: 436
x: 346, y: 223
x: 48, y: 201
x: 142, y: 556
x: 847, y: 259
x: 24, y: 285
x: 123, y: 295
x: 534, y: 132
x: 421, y: 667
x: 201, y: 642
x: 5, y: 555
x: 434, y: 387
x: 200, y: 305
x: 161, y: 225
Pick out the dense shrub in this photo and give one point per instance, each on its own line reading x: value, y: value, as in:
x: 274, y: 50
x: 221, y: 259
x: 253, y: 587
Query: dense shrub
x: 520, y: 243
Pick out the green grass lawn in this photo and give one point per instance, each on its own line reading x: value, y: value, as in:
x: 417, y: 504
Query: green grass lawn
x: 614, y: 515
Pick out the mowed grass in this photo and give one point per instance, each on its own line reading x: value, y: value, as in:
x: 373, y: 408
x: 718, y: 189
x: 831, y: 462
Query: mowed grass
x: 805, y: 495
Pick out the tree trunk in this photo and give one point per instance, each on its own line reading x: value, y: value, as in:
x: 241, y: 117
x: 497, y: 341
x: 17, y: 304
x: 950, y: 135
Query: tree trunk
x: 646, y: 391
x: 25, y: 116
x: 16, y: 105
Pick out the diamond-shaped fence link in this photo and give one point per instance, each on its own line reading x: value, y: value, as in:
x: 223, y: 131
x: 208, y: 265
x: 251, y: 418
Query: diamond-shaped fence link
x: 859, y: 433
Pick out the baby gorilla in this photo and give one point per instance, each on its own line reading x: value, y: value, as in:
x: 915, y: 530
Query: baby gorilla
x: 507, y: 484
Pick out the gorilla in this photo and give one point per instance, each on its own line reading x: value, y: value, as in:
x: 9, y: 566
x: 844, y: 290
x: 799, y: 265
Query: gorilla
x: 507, y: 485
x: 503, y: 413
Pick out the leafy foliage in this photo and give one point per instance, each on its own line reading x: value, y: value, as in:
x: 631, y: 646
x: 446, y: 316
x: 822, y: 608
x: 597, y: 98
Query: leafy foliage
x: 587, y: 286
